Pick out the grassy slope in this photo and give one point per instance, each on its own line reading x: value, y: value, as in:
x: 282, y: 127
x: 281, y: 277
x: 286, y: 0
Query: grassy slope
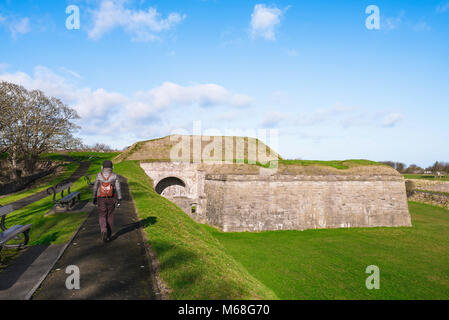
x: 192, y: 262
x: 425, y: 177
x: 69, y: 169
x: 56, y: 228
x: 337, y: 164
x: 160, y: 149
x: 330, y: 264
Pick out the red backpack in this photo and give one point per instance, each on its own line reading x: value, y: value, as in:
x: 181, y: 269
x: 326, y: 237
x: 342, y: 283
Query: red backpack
x: 106, y: 188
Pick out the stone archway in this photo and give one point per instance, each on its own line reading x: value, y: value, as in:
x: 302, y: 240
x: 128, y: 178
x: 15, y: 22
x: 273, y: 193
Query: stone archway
x: 181, y: 183
x: 171, y: 187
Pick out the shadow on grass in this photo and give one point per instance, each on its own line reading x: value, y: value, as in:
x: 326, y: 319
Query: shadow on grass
x: 47, y: 239
x: 135, y: 226
x: 188, y: 274
x: 180, y: 263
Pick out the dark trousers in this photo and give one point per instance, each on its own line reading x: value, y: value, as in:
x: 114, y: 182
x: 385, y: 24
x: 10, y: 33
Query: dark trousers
x: 106, y: 207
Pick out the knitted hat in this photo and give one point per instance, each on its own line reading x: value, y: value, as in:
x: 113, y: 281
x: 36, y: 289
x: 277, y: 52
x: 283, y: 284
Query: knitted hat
x: 107, y: 164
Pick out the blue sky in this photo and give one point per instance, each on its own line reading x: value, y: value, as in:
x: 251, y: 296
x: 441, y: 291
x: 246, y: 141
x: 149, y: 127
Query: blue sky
x: 310, y: 69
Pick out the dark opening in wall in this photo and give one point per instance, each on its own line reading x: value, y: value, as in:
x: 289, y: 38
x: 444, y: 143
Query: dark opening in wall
x: 168, y: 182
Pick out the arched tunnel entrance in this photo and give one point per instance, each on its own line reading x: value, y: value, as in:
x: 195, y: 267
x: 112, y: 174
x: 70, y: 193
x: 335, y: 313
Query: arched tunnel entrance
x: 180, y: 183
x: 175, y: 185
x: 175, y: 190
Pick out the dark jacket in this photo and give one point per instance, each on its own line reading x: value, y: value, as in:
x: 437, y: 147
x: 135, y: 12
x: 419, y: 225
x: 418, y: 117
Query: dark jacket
x: 113, y: 180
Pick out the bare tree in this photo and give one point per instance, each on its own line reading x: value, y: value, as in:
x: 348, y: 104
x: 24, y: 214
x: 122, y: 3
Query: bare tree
x: 439, y: 169
x: 399, y: 166
x: 101, y: 147
x: 31, y: 124
x: 413, y: 168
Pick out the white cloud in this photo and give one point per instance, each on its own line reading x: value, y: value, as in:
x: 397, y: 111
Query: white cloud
x: 203, y: 95
x: 264, y: 21
x: 112, y: 115
x: 392, y: 119
x: 228, y: 116
x: 16, y: 26
x: 443, y: 8
x: 421, y: 26
x: 323, y: 116
x: 4, y: 66
x: 392, y: 23
x: 43, y: 79
x: 142, y: 25
x: 99, y: 103
x: 291, y: 52
x: 88, y: 103
x: 21, y: 26
x: 71, y: 72
x: 337, y: 115
x: 273, y: 119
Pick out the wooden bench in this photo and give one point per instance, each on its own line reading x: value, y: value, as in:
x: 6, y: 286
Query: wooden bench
x: 13, y: 233
x: 68, y: 201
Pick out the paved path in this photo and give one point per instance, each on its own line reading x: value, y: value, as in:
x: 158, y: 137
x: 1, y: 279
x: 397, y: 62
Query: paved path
x: 19, y: 280
x: 117, y: 270
x: 81, y: 171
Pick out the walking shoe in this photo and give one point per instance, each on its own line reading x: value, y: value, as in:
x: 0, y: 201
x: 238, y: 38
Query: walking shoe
x: 104, y: 236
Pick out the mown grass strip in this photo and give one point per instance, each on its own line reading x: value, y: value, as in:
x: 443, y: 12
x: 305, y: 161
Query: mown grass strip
x: 426, y: 177
x: 69, y: 169
x: 337, y: 164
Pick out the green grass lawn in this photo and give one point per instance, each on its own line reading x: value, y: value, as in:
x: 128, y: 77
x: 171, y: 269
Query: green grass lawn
x: 337, y: 164
x: 192, y: 262
x: 426, y: 177
x: 46, y: 183
x: 53, y: 229
x: 57, y: 228
x: 330, y: 264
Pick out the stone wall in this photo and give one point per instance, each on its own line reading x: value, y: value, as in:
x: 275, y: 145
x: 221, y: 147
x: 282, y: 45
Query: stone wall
x: 188, y: 172
x: 192, y: 195
x: 256, y: 203
x: 436, y: 199
x: 251, y: 202
x: 23, y: 182
x: 431, y: 185
x: 215, y: 205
